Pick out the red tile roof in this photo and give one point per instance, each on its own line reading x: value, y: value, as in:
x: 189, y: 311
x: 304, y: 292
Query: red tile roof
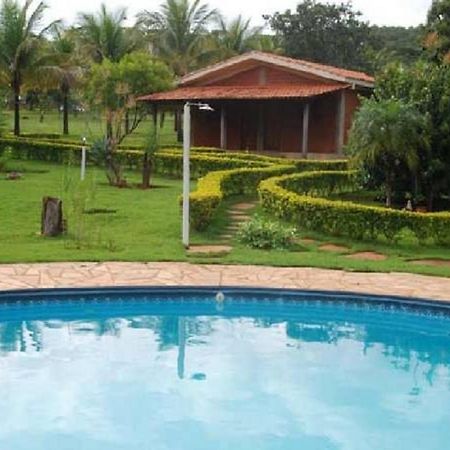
x: 245, y: 92
x: 319, y: 70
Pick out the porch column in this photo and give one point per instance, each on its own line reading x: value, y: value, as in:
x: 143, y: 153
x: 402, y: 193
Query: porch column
x: 305, y: 140
x: 340, y: 123
x: 223, y: 128
x: 260, y: 135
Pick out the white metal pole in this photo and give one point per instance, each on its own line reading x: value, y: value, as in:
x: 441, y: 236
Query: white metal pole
x: 186, y: 172
x: 83, y: 160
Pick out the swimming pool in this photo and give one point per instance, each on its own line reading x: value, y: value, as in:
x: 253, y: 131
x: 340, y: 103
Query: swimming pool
x: 252, y: 370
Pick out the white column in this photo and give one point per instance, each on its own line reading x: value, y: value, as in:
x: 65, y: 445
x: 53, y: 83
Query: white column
x: 340, y: 123
x: 223, y: 128
x: 186, y: 172
x: 305, y: 140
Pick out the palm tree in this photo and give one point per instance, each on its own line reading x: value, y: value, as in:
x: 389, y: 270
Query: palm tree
x: 105, y: 36
x: 177, y: 31
x: 20, y: 37
x: 236, y: 37
x: 64, y: 69
x: 385, y: 135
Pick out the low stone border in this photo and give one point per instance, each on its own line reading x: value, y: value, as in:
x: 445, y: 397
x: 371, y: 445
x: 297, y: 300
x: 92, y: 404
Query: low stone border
x: 67, y: 275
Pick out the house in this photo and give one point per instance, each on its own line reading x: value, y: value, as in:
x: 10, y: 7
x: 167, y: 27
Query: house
x: 269, y: 103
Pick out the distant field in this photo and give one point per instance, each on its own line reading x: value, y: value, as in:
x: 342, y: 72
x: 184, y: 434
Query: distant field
x: 87, y: 125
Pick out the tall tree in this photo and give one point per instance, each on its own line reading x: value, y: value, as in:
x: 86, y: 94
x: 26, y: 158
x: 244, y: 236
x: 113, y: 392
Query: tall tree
x: 177, y: 32
x: 386, y: 136
x: 322, y: 32
x: 63, y: 68
x: 105, y: 36
x: 236, y: 36
x: 437, y: 40
x: 20, y: 37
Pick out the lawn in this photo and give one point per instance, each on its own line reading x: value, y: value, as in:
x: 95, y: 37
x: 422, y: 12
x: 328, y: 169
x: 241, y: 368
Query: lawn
x: 87, y: 124
x: 136, y: 225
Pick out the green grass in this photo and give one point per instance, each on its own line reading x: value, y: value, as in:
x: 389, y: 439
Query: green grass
x: 86, y: 125
x: 146, y: 227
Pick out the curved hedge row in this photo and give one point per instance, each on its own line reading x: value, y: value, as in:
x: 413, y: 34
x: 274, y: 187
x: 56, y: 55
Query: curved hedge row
x: 224, y: 173
x: 291, y: 197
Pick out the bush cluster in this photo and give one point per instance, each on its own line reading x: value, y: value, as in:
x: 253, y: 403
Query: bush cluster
x: 291, y: 197
x: 260, y: 233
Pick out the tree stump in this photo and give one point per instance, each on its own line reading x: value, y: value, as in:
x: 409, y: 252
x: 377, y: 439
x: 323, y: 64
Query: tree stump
x: 52, y: 223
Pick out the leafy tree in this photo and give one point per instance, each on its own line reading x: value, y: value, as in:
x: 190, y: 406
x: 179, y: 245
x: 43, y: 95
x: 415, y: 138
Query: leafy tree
x: 322, y: 32
x: 427, y: 87
x: 21, y: 34
x: 235, y: 37
x: 177, y: 32
x: 104, y: 35
x: 437, y: 41
x: 114, y: 87
x: 386, y: 134
x: 388, y: 45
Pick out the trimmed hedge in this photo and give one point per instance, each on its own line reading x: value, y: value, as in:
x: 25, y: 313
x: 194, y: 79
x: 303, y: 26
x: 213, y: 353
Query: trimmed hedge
x: 291, y: 198
x: 224, y: 173
x: 216, y: 186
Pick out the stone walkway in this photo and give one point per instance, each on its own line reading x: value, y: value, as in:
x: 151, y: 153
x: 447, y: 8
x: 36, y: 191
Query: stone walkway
x: 54, y: 275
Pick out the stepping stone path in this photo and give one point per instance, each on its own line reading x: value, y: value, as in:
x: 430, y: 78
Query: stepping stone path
x: 432, y: 262
x: 367, y: 256
x: 239, y: 214
x: 209, y: 250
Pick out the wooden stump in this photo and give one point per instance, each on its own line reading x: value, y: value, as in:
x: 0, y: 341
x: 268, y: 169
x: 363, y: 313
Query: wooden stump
x: 52, y: 223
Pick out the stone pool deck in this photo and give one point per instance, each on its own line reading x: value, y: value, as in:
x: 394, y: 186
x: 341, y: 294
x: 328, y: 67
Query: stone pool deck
x: 60, y: 275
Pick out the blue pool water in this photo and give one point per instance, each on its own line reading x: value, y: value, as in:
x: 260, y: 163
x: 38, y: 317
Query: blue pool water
x: 181, y: 371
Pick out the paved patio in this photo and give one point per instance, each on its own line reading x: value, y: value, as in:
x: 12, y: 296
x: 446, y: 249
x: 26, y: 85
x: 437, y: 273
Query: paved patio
x: 56, y: 275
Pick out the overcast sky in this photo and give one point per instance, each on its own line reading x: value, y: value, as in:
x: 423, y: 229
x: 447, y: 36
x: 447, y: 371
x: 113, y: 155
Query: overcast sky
x: 380, y: 12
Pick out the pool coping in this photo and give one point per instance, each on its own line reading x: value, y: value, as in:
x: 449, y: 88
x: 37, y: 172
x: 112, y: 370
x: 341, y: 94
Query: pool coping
x: 89, y: 276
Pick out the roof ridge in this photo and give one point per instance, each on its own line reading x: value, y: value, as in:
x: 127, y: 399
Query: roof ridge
x: 324, y: 70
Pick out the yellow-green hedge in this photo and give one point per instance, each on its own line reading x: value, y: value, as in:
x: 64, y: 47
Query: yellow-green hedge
x: 289, y: 197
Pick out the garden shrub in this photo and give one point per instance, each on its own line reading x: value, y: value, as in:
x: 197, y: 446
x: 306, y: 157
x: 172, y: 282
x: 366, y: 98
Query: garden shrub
x: 291, y: 197
x: 263, y: 234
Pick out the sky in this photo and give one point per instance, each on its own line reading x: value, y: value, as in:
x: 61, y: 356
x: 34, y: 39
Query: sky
x: 378, y: 12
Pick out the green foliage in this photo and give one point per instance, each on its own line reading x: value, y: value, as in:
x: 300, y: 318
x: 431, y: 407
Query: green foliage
x: 438, y: 39
x: 427, y: 87
x: 386, y: 136
x: 322, y: 32
x: 263, y: 234
x: 20, y: 40
x: 177, y: 32
x: 104, y: 35
x: 235, y: 37
x: 345, y: 218
x: 389, y: 45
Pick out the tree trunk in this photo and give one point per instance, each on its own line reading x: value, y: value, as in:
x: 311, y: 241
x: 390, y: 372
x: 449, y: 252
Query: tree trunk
x: 65, y: 111
x: 16, y: 88
x: 127, y: 122
x: 389, y: 182
x: 52, y: 223
x: 430, y: 200
x: 146, y: 172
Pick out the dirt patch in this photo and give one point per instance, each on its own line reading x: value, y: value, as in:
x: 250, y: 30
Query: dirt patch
x: 307, y: 241
x: 209, y: 249
x: 432, y: 262
x: 333, y: 248
x: 368, y: 256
